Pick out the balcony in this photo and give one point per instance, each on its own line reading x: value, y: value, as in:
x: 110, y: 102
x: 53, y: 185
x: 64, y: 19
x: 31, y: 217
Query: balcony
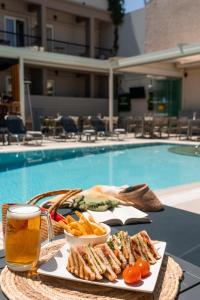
x: 67, y: 48
x: 12, y: 39
x: 103, y: 53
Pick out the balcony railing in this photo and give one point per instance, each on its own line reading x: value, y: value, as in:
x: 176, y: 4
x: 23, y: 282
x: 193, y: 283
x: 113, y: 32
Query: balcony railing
x: 9, y: 38
x: 103, y: 53
x: 67, y: 48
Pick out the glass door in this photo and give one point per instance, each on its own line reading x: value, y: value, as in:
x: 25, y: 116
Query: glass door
x: 14, y: 31
x: 20, y: 33
x: 166, y: 97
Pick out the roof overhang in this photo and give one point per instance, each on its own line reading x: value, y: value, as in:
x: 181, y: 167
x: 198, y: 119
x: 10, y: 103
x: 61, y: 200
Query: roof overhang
x: 35, y: 57
x: 169, y: 62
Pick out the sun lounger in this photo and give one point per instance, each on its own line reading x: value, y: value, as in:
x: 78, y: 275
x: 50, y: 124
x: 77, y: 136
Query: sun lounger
x: 18, y: 131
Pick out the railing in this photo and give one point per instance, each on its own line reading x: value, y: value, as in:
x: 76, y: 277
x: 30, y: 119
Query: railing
x: 67, y: 48
x: 9, y: 38
x: 103, y: 53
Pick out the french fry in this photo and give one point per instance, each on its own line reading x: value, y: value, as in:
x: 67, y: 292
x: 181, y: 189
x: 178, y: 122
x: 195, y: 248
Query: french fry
x: 78, y: 226
x: 69, y: 219
x: 63, y: 225
x: 91, y: 219
x: 98, y: 229
x: 76, y: 232
x: 87, y: 224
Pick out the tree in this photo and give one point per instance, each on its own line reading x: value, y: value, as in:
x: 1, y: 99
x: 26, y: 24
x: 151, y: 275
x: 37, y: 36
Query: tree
x: 117, y: 10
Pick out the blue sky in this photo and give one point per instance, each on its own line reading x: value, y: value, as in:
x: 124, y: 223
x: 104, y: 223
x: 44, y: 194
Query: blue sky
x: 133, y: 4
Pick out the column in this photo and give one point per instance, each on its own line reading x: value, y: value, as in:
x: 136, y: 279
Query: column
x: 111, y: 100
x: 42, y: 25
x: 92, y: 85
x: 21, y: 88
x: 92, y: 37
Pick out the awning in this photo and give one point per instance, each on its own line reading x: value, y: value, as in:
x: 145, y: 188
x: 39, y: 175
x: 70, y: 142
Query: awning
x: 169, y: 62
x: 42, y: 58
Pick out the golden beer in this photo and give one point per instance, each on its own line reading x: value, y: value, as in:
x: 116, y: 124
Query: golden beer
x: 22, y: 237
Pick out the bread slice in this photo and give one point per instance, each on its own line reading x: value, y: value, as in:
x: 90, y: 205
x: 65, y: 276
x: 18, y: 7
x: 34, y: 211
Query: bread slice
x: 126, y: 246
x: 77, y: 266
x: 150, y: 244
x: 145, y: 249
x: 86, y: 252
x: 113, y: 261
x: 109, y: 273
x: 113, y: 243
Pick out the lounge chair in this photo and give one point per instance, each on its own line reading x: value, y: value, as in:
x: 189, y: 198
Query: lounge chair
x: 70, y: 129
x: 99, y: 126
x: 18, y: 131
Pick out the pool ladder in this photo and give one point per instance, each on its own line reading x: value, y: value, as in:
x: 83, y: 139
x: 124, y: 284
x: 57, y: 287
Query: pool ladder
x: 197, y: 149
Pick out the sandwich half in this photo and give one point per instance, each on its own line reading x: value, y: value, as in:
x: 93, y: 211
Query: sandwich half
x: 126, y: 246
x: 77, y: 265
x: 112, y: 259
x: 115, y: 245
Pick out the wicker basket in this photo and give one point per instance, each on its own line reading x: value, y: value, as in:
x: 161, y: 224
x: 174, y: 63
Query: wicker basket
x: 64, y: 196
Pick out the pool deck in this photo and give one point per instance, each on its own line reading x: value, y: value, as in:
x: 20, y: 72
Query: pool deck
x: 185, y: 197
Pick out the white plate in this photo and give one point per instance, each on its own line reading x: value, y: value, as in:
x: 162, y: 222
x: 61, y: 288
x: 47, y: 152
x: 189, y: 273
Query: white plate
x: 56, y: 267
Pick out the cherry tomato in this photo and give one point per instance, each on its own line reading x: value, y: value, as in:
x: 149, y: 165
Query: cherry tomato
x: 144, y: 267
x: 131, y: 274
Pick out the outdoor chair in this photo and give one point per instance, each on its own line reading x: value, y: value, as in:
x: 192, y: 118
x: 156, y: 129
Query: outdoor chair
x: 70, y: 129
x: 115, y: 120
x: 99, y: 126
x: 148, y: 126
x: 160, y: 125
x: 130, y: 124
x: 194, y: 128
x: 18, y: 131
x: 172, y: 126
x: 183, y: 127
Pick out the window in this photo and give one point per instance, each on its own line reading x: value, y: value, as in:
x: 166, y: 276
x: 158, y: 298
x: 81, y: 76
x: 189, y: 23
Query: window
x: 50, y: 87
x: 14, y: 31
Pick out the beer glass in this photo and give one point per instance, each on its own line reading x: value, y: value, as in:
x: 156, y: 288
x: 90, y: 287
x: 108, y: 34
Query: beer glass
x: 22, y: 236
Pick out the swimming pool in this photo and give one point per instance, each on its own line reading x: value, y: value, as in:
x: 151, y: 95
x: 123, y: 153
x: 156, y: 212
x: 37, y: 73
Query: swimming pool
x: 25, y: 174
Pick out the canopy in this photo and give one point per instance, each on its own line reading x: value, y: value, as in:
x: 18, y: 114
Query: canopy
x: 169, y: 63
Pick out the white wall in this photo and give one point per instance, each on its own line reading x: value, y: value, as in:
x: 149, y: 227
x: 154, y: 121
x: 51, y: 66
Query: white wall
x: 132, y: 34
x: 191, y: 90
x: 138, y: 106
x: 70, y: 106
x: 101, y: 4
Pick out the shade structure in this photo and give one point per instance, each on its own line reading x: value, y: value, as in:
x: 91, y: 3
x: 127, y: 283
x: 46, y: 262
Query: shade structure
x: 169, y: 63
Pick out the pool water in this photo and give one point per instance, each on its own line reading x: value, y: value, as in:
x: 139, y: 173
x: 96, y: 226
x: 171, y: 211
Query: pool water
x: 23, y: 175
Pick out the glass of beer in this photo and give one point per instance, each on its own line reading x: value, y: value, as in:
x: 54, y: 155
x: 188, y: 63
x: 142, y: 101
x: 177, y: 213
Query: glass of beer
x: 22, y: 236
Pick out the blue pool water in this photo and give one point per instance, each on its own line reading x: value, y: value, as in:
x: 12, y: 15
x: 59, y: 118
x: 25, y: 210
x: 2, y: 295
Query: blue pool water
x: 23, y: 175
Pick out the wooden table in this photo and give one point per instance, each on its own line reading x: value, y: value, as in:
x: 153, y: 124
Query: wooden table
x: 180, y: 229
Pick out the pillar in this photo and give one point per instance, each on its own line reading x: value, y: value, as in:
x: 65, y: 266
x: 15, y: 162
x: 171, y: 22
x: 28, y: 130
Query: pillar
x: 21, y: 88
x: 92, y: 37
x: 110, y: 108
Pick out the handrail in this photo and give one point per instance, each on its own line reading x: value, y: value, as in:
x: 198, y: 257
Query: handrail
x: 68, y: 43
x: 19, y: 34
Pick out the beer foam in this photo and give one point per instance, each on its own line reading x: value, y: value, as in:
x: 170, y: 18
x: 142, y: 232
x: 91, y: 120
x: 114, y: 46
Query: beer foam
x: 23, y: 212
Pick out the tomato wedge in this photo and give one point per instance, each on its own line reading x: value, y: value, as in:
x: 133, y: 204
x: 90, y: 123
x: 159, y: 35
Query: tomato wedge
x: 131, y: 274
x: 143, y: 266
